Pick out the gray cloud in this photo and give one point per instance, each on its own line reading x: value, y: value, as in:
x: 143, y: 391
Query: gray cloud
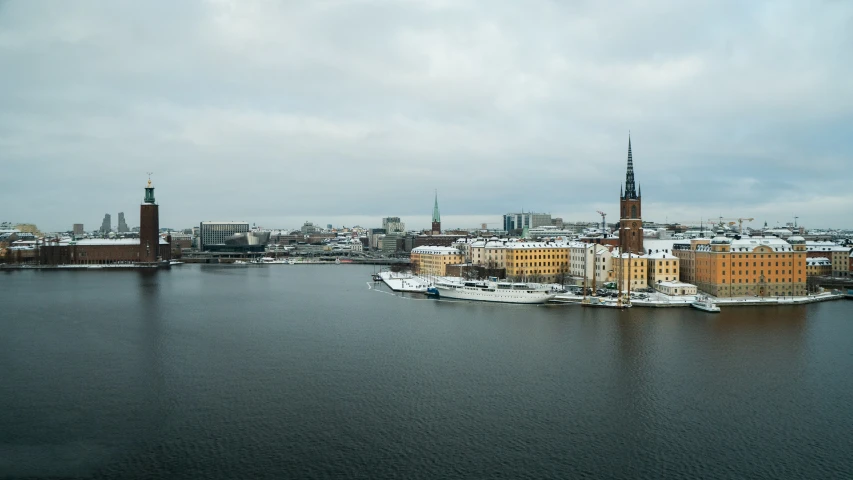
x: 341, y: 112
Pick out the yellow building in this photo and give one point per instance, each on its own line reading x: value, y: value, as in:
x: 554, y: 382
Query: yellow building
x: 818, y: 266
x: 686, y: 254
x: 632, y: 268
x: 837, y: 255
x: 749, y: 266
x: 662, y: 267
x: 537, y: 261
x: 429, y: 260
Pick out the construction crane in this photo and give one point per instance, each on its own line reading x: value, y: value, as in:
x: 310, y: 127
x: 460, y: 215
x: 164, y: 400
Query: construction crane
x: 603, y: 223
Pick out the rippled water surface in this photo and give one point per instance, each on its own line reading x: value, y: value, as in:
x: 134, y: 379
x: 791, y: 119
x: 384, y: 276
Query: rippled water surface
x: 300, y: 371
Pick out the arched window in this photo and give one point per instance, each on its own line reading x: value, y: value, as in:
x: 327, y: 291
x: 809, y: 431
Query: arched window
x: 633, y: 211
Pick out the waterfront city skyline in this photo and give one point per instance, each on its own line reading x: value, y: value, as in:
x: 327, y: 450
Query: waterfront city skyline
x: 346, y: 113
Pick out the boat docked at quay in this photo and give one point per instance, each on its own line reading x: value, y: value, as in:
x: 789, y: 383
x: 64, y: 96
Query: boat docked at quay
x: 491, y: 290
x: 705, y: 304
x: 274, y: 261
x: 605, y: 303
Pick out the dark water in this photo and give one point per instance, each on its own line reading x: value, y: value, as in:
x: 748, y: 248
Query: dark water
x: 303, y: 372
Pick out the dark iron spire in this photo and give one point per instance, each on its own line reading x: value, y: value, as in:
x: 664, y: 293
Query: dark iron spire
x: 630, y: 189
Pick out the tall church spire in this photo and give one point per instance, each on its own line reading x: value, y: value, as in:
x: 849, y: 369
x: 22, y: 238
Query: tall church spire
x: 630, y: 189
x: 436, y: 216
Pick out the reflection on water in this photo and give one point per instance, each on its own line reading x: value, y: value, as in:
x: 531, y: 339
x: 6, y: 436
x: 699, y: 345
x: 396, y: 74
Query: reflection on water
x: 289, y: 372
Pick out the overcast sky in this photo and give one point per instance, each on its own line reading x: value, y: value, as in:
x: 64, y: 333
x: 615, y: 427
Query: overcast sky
x: 346, y: 111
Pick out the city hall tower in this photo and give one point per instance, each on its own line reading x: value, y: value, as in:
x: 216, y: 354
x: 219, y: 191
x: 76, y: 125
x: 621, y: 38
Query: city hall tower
x: 149, y: 227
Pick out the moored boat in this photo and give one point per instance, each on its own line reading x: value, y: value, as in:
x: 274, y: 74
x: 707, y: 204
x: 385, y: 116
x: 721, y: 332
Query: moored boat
x: 604, y: 303
x: 705, y: 304
x: 491, y: 291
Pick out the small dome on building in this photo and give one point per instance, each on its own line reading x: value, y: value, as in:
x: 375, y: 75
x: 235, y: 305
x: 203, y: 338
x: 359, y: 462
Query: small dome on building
x: 796, y: 239
x: 720, y: 240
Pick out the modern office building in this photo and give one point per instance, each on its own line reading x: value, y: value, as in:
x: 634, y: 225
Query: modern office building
x: 216, y: 233
x: 519, y: 221
x: 391, y: 243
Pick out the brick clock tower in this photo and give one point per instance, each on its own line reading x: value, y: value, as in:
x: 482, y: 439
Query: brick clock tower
x: 631, y: 212
x: 149, y: 227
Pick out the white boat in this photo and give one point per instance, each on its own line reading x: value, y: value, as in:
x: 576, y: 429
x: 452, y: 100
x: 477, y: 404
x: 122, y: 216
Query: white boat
x: 604, y: 303
x: 175, y: 262
x: 271, y: 260
x: 491, y: 291
x: 705, y: 304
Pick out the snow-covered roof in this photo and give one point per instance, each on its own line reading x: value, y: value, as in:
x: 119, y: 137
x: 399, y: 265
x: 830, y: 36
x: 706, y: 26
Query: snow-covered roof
x: 816, y: 261
x: 825, y: 247
x: 657, y: 255
x: 748, y: 244
x: 435, y: 250
x: 104, y: 241
x: 529, y: 244
x: 661, y: 244
x: 675, y: 284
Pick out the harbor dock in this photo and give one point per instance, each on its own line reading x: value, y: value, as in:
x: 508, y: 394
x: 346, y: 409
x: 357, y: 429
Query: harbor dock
x: 406, y: 282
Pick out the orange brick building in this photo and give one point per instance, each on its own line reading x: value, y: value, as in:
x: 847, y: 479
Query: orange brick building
x: 747, y: 266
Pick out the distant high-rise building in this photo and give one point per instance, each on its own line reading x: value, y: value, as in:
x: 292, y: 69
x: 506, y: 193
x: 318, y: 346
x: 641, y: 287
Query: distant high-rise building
x: 308, y: 228
x: 518, y: 221
x: 122, y: 226
x: 78, y: 229
x: 436, y: 217
x: 106, y: 224
x: 393, y: 224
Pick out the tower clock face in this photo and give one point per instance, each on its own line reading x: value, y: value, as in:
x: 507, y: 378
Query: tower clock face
x: 634, y: 225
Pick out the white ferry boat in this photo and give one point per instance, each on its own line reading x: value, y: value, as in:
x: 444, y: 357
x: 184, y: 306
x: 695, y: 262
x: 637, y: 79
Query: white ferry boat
x: 491, y: 291
x: 705, y: 304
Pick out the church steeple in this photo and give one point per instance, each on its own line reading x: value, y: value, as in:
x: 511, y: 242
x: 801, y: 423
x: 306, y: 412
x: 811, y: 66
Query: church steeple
x: 630, y: 189
x: 631, y: 211
x: 436, y: 217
